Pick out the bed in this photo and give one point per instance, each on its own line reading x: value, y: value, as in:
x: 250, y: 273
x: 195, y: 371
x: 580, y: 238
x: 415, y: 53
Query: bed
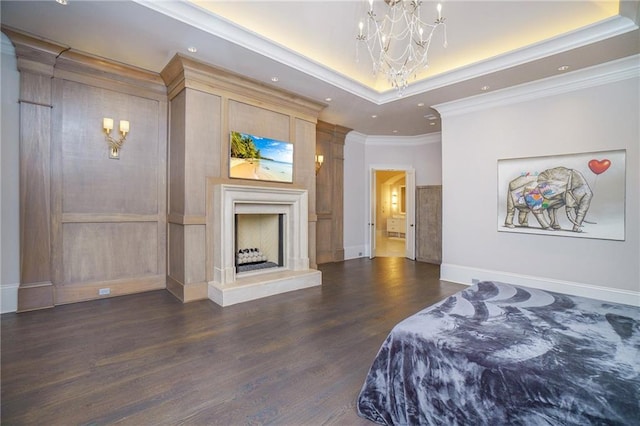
x: 498, y: 354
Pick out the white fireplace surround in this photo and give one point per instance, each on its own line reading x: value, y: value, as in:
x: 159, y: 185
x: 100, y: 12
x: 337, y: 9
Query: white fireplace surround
x: 228, y: 287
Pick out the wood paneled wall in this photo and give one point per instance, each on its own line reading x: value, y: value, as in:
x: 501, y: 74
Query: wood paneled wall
x: 206, y: 103
x: 88, y: 222
x: 330, y: 192
x: 138, y: 223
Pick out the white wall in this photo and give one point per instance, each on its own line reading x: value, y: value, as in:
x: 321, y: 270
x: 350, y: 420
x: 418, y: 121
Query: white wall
x: 361, y: 153
x: 9, y: 173
x: 590, y: 110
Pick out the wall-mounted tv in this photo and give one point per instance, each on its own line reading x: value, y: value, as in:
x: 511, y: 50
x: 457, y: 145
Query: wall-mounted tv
x: 258, y: 158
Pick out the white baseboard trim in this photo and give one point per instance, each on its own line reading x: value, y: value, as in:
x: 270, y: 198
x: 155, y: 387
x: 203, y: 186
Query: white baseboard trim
x: 354, y: 252
x: 467, y: 275
x: 8, y: 298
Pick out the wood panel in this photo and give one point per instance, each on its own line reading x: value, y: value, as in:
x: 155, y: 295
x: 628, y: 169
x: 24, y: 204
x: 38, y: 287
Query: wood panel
x: 176, y: 262
x: 91, y: 181
x: 108, y: 251
x: 304, y: 135
x: 177, y: 155
x: 324, y: 239
x: 35, y: 185
x: 298, y: 358
x: 429, y: 224
x: 258, y: 121
x: 36, y: 285
x: 330, y: 191
x: 203, y: 148
x: 194, y: 153
x: 194, y: 253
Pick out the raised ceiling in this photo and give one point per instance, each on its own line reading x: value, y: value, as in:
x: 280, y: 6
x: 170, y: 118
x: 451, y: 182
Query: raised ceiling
x: 310, y: 46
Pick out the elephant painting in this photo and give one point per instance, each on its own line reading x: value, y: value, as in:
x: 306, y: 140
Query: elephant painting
x: 547, y: 192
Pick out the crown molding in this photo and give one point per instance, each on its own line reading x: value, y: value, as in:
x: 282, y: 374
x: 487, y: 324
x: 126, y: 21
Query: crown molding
x: 611, y: 27
x: 185, y: 72
x: 356, y: 137
x: 609, y: 72
x: 218, y: 26
x: 6, y: 46
x: 397, y: 141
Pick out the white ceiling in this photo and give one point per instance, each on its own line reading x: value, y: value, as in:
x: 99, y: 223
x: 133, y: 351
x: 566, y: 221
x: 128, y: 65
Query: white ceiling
x: 310, y: 46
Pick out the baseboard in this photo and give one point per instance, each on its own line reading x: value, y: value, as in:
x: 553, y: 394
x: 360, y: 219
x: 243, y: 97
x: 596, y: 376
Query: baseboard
x: 466, y: 275
x: 79, y: 292
x: 8, y: 298
x: 354, y: 252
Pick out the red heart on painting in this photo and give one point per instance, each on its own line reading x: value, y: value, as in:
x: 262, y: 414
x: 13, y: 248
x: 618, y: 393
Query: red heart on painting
x: 599, y: 167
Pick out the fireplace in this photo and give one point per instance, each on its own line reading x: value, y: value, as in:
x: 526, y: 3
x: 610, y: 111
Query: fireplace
x: 271, y: 219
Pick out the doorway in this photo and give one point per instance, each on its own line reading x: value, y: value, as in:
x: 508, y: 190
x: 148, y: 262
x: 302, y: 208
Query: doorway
x: 392, y: 216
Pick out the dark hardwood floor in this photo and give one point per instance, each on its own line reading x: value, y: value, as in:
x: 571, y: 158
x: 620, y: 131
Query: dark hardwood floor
x: 294, y: 359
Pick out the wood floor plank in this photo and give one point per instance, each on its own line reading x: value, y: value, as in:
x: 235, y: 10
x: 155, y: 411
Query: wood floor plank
x: 298, y: 358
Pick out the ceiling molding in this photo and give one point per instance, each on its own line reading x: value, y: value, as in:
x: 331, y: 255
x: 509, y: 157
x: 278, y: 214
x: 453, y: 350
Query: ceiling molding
x: 356, y: 137
x: 599, y: 31
x: 218, y: 26
x: 610, y: 72
x: 6, y: 46
x: 403, y: 140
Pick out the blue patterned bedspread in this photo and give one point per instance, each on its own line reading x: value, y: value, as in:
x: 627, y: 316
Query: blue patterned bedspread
x: 499, y: 354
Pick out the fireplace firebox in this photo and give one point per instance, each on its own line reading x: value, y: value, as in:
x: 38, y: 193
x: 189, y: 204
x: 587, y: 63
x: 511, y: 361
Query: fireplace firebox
x: 259, y: 242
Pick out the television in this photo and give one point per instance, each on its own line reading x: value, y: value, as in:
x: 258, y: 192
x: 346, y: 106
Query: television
x: 259, y: 158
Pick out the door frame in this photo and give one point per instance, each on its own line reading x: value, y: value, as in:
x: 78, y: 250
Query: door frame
x: 410, y: 232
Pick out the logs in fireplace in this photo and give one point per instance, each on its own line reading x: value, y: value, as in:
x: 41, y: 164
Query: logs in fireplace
x: 252, y: 259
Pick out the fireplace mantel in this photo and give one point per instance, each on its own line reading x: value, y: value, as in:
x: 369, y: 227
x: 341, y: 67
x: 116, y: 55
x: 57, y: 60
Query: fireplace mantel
x: 227, y: 286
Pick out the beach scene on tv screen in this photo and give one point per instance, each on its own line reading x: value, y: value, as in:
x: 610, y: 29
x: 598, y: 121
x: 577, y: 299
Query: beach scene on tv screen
x: 259, y: 158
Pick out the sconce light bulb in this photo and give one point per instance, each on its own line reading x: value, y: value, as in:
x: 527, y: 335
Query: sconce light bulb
x: 124, y: 127
x: 107, y: 124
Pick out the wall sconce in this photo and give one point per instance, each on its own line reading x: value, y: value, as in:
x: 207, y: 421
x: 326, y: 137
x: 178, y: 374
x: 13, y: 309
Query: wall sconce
x: 115, y: 144
x: 394, y: 200
x: 319, y: 161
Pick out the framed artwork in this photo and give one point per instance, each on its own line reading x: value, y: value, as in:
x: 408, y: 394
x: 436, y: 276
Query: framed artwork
x: 576, y: 195
x: 258, y: 158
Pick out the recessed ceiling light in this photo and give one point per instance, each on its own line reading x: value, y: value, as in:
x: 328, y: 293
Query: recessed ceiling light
x: 485, y: 88
x: 328, y: 99
x: 433, y: 123
x: 395, y: 131
x: 563, y: 68
x: 275, y: 79
x: 373, y: 116
x: 430, y: 117
x: 192, y: 49
x: 62, y: 2
x: 421, y: 104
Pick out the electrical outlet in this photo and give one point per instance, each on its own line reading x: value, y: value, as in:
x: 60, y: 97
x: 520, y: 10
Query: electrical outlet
x: 104, y: 291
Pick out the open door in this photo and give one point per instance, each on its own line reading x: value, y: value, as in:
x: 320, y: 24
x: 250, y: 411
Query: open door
x: 372, y: 214
x: 410, y: 209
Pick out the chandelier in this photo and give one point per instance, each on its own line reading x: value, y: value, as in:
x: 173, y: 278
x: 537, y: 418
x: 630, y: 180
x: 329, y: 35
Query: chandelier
x: 399, y: 41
